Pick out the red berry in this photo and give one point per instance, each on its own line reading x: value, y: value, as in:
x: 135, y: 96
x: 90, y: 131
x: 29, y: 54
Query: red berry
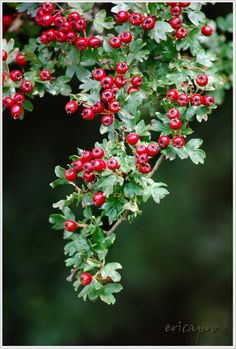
x: 152, y: 149
x: 208, y: 100
x: 71, y: 37
x: 99, y: 74
x: 182, y: 99
x: 4, y: 55
x: 16, y: 75
x: 47, y: 7
x: 107, y: 120
x: 184, y: 4
x: 81, y: 43
x: 71, y: 107
x: 121, y: 16
x: 141, y: 149
x: 107, y: 82
x: 16, y: 110
x: 112, y: 164
x: 173, y: 113
x: 115, y: 42
x: 88, y: 114
x: 74, y: 17
x: 58, y: 20
x: 175, y: 124
x: 176, y: 22
x: 178, y: 141
x: 51, y: 34
x: 88, y: 167
x: 7, y: 102
x: 85, y: 279
x: 46, y: 19
x: 70, y: 174
x: 181, y: 33
x: 7, y: 20
x: 142, y: 159
x: 60, y: 36
x: 163, y: 141
x: 136, y: 81
x: 78, y: 165
x: 107, y: 96
x: 146, y: 168
x: 202, y: 80
x: 196, y: 99
x: 3, y: 79
x: 88, y: 177
x: 120, y: 81
x: 136, y: 18
x: 20, y: 59
x: 45, y: 75
x: 80, y: 25
x: 70, y: 225
x: 44, y: 38
x: 98, y: 199
x: 172, y: 95
x: 207, y: 30
x: 19, y: 98
x: 122, y: 68
x: 132, y: 89
x: 66, y: 27
x: 94, y: 42
x: 98, y: 153
x: 114, y: 90
x: 175, y: 10
x: 114, y: 106
x: 86, y: 156
x: 148, y: 23
x: 98, y: 107
x: 132, y: 138
x: 126, y: 37
x: 97, y: 165
x: 26, y: 86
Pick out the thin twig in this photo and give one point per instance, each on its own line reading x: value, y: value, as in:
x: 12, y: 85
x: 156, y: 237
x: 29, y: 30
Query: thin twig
x: 157, y: 164
x: 72, y: 274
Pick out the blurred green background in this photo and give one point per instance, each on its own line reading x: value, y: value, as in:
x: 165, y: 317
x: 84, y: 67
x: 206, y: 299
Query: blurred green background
x: 176, y: 257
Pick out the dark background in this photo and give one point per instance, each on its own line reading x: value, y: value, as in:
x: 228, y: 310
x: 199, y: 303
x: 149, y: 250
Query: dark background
x: 177, y: 257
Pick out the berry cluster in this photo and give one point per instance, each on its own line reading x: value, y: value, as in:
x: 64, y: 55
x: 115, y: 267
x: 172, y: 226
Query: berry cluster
x: 136, y: 19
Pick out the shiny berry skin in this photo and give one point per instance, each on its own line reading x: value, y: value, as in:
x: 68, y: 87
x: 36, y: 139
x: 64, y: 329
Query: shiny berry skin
x: 196, y: 99
x: 97, y: 165
x: 207, y: 30
x: 81, y: 43
x: 78, y: 165
x: 107, y: 82
x: 7, y: 102
x: 47, y: 7
x: 201, y: 80
x: 175, y: 11
x: 46, y: 19
x: 120, y: 81
x: 152, y: 149
x: 71, y: 37
x: 71, y: 107
x: 98, y: 153
x: 19, y: 98
x: 121, y: 16
x: 7, y: 20
x: 182, y: 100
x: 181, y: 33
x: 80, y: 25
x: 114, y: 106
x: 87, y: 167
x: 148, y: 23
x: 142, y: 159
x: 115, y: 42
x: 45, y: 75
x: 146, y: 168
x: 172, y: 95
x: 98, y: 199
x: 208, y: 100
x: 163, y: 141
x: 107, y: 120
x: 113, y: 164
x: 122, y: 68
x: 60, y: 36
x: 126, y: 37
x: 176, y: 22
x: 70, y: 174
x: 16, y: 75
x: 178, y: 141
x: 132, y: 138
x: 175, y: 124
x: 94, y: 42
x: 136, y: 81
x: 74, y: 17
x: 66, y: 27
x: 70, y: 225
x: 51, y: 34
x: 44, y: 39
x: 136, y: 18
x: 173, y: 113
x: 4, y: 55
x: 98, y: 107
x: 107, y: 96
x: 26, y: 86
x: 141, y: 149
x: 85, y: 279
x: 132, y: 89
x: 16, y: 110
x: 184, y: 4
x: 58, y: 20
x: 98, y: 74
x: 88, y: 114
x: 20, y: 59
x: 114, y: 90
x: 86, y: 156
x: 88, y: 177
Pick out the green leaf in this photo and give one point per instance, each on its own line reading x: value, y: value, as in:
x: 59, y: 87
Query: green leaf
x: 132, y: 189
x: 59, y: 181
x: 107, y: 293
x: 107, y: 185
x: 196, y: 155
x: 57, y: 220
x: 30, y: 8
x: 59, y: 172
x: 28, y: 105
x: 109, y: 270
x: 68, y: 213
x: 113, y: 208
x: 160, y: 31
x: 101, y: 21
x: 155, y: 190
x: 205, y: 58
x: 196, y: 17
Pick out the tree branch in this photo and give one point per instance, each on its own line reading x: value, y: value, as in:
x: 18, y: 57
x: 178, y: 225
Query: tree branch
x: 157, y: 164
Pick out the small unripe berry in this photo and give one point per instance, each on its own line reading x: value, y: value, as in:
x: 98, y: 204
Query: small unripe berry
x: 132, y: 138
x: 85, y: 279
x: 207, y: 30
x: 71, y: 107
x: 107, y: 120
x: 98, y: 199
x: 70, y: 225
x: 163, y: 141
x: 136, y: 18
x: 70, y: 174
x: 201, y: 80
x: 178, y: 141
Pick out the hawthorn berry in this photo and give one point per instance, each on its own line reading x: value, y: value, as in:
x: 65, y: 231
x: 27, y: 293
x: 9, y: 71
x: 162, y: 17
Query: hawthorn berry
x: 88, y: 167
x: 175, y: 10
x: 7, y: 20
x: 44, y: 38
x: 85, y: 279
x: 60, y: 36
x: 70, y: 225
x: 148, y: 23
x: 70, y: 174
x: 45, y: 75
x: 26, y: 86
x: 46, y: 19
x: 20, y: 59
x: 132, y: 138
x: 94, y: 42
x: 208, y: 100
x: 88, y: 177
x: 107, y: 120
x: 184, y: 4
x: 107, y: 82
x: 126, y: 37
x: 120, y: 81
x: 145, y: 168
x: 16, y: 75
x: 181, y: 33
x: 172, y: 95
x: 112, y: 164
x: 175, y: 124
x: 81, y: 43
x: 74, y: 17
x: 115, y: 42
x: 114, y: 106
x: 136, y: 81
x: 196, y: 99
x: 71, y: 107
x: 178, y: 141
x: 71, y: 37
x: 97, y: 165
x: 7, y: 102
x: 4, y: 55
x: 132, y: 89
x: 122, y: 68
x: 173, y: 113
x: 98, y: 153
x: 142, y: 159
x: 163, y: 141
x: 58, y: 20
x: 86, y: 155
x: 16, y: 110
x: 176, y: 22
x: 98, y: 74
x: 201, y: 80
x: 50, y: 34
x: 207, y: 30
x: 182, y: 100
x: 135, y: 18
x: 107, y: 96
x: 141, y: 149
x: 66, y: 27
x: 48, y: 7
x: 88, y: 114
x: 152, y: 149
x: 114, y: 90
x: 98, y: 199
x: 98, y: 107
x: 19, y: 98
x: 78, y: 165
x: 121, y: 16
x: 80, y: 25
